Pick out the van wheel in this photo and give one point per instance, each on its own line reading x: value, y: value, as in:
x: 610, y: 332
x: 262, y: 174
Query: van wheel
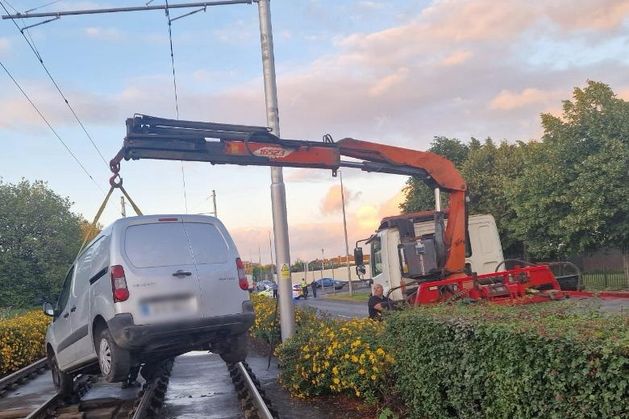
x: 234, y: 349
x: 114, y: 362
x: 64, y: 383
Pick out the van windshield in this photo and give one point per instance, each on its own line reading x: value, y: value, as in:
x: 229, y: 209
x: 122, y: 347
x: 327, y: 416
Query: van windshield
x: 170, y: 244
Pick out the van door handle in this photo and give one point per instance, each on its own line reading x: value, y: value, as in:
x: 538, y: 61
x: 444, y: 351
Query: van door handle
x: 180, y: 273
x: 73, y: 309
x: 65, y: 316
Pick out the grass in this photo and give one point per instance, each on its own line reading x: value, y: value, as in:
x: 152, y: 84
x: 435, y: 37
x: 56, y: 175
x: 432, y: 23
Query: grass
x: 604, y: 280
x: 358, y: 297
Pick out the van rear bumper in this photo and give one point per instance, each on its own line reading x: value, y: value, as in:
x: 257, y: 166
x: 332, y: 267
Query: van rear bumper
x: 130, y: 336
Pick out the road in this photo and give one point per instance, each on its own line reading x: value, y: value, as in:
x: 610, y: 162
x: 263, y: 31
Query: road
x: 342, y: 309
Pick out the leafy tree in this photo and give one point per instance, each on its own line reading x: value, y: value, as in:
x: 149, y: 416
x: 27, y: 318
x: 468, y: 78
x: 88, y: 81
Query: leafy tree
x: 298, y: 266
x: 574, y: 187
x: 488, y: 171
x: 39, y: 238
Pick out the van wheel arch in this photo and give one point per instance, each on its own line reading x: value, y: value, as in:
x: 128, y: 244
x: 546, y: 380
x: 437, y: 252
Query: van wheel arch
x: 98, y: 325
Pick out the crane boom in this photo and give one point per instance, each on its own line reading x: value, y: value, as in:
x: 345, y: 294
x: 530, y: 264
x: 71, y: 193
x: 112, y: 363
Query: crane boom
x: 150, y: 137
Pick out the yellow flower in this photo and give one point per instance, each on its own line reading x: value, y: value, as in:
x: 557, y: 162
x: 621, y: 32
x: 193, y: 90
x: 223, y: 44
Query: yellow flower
x: 336, y: 380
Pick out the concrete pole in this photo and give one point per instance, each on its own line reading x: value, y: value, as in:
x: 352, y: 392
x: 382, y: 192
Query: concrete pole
x: 123, y: 207
x: 214, y: 202
x: 278, y: 191
x: 349, y: 271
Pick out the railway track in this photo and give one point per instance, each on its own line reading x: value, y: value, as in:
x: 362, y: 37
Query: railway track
x: 147, y: 401
x: 22, y: 376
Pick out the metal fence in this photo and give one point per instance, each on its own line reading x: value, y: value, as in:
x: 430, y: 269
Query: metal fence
x: 605, y: 280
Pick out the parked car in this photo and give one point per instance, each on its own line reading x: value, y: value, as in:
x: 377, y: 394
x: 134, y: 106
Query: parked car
x: 297, y: 292
x: 265, y: 284
x: 146, y: 289
x: 329, y: 283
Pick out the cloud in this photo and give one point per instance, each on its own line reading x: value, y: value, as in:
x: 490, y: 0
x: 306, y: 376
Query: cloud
x: 507, y: 100
x: 397, y: 85
x: 456, y: 58
x: 332, y: 202
x: 307, y: 240
x: 104, y: 34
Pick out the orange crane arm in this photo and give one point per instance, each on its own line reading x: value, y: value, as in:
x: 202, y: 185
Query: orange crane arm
x: 167, y: 139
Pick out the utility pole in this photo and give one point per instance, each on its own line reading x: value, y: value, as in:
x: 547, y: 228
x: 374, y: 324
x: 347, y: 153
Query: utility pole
x: 278, y: 190
x: 349, y: 271
x: 123, y: 207
x: 214, y: 203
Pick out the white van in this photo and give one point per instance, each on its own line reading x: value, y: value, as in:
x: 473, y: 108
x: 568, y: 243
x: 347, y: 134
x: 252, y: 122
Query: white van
x: 146, y: 289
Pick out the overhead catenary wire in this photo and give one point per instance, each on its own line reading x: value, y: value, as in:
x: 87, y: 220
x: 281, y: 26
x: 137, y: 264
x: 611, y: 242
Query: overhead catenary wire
x: 54, y: 82
x: 41, y: 115
x: 172, y: 64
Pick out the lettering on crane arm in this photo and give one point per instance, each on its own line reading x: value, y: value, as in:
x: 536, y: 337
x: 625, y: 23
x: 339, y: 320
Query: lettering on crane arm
x: 285, y: 272
x: 272, y: 152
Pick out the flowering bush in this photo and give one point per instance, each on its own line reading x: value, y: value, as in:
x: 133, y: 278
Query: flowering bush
x: 333, y: 356
x: 267, y: 325
x: 22, y: 340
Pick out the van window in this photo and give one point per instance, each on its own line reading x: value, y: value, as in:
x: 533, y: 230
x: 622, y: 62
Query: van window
x: 207, y: 243
x: 376, y: 256
x: 153, y: 245
x: 65, y: 292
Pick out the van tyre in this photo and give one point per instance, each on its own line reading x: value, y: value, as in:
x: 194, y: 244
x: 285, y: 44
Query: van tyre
x: 234, y: 349
x: 114, y: 362
x: 64, y: 383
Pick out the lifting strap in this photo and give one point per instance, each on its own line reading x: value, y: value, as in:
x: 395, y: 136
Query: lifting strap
x: 114, y: 185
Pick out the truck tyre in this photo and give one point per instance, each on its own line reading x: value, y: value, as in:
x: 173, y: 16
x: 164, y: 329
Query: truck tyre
x: 114, y: 362
x: 234, y: 349
x: 64, y: 383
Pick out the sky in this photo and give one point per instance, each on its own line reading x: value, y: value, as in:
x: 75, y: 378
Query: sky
x: 395, y: 72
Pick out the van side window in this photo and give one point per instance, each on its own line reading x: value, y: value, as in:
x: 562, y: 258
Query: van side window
x: 65, y: 292
x: 376, y: 256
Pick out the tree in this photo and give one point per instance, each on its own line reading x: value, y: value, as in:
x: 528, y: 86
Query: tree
x: 39, y: 239
x: 572, y: 195
x: 298, y: 266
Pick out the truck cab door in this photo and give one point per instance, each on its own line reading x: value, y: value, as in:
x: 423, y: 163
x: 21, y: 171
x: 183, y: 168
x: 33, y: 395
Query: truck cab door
x: 62, y: 323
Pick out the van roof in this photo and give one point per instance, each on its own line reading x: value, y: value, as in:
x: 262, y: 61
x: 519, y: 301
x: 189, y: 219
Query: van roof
x: 157, y: 217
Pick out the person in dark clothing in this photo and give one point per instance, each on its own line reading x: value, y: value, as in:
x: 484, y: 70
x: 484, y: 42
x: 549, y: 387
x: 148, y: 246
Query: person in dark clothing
x: 313, y: 285
x: 378, y: 303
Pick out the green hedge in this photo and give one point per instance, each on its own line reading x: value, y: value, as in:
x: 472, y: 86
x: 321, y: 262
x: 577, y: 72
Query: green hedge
x: 545, y: 360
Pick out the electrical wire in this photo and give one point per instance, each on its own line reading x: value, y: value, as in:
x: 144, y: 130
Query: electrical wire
x: 172, y: 58
x: 6, y: 70
x: 42, y: 6
x: 54, y: 82
x: 172, y: 64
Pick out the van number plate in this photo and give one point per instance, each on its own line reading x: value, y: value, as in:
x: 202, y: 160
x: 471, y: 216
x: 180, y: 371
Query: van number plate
x: 168, y: 307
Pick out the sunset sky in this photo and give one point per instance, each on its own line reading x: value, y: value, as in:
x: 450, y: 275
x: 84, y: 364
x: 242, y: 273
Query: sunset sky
x: 396, y: 72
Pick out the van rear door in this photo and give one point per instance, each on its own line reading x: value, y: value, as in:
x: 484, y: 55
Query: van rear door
x: 215, y: 256
x: 160, y: 273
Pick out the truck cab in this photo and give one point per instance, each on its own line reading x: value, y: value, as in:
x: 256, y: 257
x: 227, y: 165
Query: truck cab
x: 388, y: 266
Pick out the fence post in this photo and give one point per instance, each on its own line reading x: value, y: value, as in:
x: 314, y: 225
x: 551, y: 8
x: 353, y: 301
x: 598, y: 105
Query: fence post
x: 605, y: 278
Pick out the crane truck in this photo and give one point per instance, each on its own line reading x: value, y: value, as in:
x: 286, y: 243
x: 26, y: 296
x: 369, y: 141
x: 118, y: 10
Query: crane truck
x: 431, y: 260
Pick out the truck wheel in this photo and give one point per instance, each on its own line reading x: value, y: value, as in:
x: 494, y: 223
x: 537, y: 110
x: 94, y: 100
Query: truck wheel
x: 234, y: 349
x: 114, y: 362
x: 64, y: 383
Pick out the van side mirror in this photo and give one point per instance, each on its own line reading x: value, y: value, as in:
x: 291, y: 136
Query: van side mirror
x: 358, y: 256
x: 48, y: 309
